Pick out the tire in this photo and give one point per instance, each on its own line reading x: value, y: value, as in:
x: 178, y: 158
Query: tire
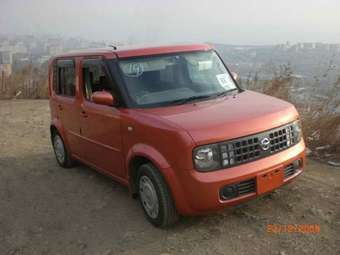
x: 150, y: 178
x: 63, y: 157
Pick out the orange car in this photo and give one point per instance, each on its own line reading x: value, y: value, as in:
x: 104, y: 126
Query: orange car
x: 172, y: 124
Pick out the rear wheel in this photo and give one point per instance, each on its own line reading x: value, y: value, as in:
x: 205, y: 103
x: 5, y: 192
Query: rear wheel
x: 62, y: 155
x: 155, y: 197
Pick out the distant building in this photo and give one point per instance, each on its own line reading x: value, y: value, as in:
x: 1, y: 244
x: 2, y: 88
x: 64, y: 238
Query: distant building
x: 334, y: 47
x: 6, y: 57
x: 299, y: 45
x: 5, y: 63
x: 285, y: 46
x: 309, y: 45
x: 54, y: 49
x: 19, y: 47
x: 295, y: 48
x: 321, y: 46
x: 5, y: 45
x: 43, y: 59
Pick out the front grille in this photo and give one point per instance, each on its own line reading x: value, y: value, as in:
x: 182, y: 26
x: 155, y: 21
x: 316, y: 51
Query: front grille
x: 246, y: 149
x: 241, y: 150
x: 289, y: 170
x: 246, y: 187
x: 280, y: 139
x: 292, y: 168
x: 238, y: 189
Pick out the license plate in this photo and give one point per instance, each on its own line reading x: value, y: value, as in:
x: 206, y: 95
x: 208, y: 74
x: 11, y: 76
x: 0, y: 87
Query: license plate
x: 269, y: 180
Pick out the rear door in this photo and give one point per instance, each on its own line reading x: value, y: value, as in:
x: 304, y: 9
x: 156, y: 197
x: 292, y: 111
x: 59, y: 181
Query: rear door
x: 100, y: 124
x: 66, y: 101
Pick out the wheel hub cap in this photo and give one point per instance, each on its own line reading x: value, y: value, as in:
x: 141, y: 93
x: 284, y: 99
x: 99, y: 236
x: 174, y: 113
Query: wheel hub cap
x: 59, y: 149
x: 148, y: 196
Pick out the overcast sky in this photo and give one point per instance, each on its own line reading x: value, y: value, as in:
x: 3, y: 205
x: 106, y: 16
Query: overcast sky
x: 166, y: 21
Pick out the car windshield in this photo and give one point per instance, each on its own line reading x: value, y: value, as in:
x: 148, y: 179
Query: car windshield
x: 176, y: 78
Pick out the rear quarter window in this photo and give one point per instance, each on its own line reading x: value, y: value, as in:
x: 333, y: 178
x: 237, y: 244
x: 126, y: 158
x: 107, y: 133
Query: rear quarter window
x: 64, y: 78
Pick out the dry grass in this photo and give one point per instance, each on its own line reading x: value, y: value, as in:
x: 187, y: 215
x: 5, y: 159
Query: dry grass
x: 30, y: 82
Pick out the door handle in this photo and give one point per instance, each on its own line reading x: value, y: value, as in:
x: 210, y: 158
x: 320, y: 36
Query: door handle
x: 83, y: 114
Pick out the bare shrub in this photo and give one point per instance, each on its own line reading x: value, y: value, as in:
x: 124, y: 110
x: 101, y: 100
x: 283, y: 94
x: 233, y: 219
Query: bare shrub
x: 321, y: 121
x: 30, y: 82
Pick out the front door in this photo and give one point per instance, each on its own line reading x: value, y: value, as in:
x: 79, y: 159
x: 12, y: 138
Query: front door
x: 100, y: 124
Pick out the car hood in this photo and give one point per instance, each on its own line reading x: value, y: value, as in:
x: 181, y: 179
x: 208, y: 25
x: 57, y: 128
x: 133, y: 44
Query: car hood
x: 228, y: 117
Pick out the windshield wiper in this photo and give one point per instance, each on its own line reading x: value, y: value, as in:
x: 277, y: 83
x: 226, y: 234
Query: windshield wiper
x: 189, y: 99
x: 224, y: 93
x: 194, y: 98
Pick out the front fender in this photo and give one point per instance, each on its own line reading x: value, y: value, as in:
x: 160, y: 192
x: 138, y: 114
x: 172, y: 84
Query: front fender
x: 169, y: 174
x: 148, y: 152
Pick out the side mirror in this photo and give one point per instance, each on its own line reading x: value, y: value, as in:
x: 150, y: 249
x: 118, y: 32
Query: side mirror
x: 104, y: 98
x: 235, y: 76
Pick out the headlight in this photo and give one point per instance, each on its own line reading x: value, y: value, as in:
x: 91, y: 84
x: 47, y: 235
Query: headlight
x: 296, y: 132
x: 206, y: 157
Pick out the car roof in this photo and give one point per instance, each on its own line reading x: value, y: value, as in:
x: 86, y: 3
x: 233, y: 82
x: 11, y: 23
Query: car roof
x: 136, y: 51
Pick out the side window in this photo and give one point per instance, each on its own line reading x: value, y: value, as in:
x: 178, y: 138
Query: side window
x: 95, y: 78
x: 65, y: 78
x: 54, y: 76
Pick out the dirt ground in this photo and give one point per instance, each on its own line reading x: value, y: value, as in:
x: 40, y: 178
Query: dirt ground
x: 45, y: 209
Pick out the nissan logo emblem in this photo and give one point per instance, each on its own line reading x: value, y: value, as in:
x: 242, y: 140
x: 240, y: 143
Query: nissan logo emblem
x: 265, y: 143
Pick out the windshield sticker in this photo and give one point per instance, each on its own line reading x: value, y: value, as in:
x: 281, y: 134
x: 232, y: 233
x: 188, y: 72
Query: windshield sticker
x: 225, y: 81
x: 205, y: 65
x: 135, y: 70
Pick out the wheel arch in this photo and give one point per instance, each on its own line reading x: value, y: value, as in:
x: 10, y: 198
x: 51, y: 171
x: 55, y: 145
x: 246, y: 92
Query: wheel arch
x: 53, y: 130
x: 56, y: 126
x: 134, y: 165
x: 142, y: 154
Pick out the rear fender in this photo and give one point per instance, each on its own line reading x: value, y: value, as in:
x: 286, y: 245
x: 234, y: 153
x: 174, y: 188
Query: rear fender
x: 56, y: 123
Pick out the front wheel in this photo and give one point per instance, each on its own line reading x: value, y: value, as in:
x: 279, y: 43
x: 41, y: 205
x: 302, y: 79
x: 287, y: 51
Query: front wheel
x: 155, y: 197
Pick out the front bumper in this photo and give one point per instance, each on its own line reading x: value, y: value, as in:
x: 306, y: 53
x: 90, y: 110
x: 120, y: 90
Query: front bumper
x: 200, y: 192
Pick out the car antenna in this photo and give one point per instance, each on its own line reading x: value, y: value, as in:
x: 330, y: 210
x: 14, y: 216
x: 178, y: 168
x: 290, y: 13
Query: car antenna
x: 113, y: 47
